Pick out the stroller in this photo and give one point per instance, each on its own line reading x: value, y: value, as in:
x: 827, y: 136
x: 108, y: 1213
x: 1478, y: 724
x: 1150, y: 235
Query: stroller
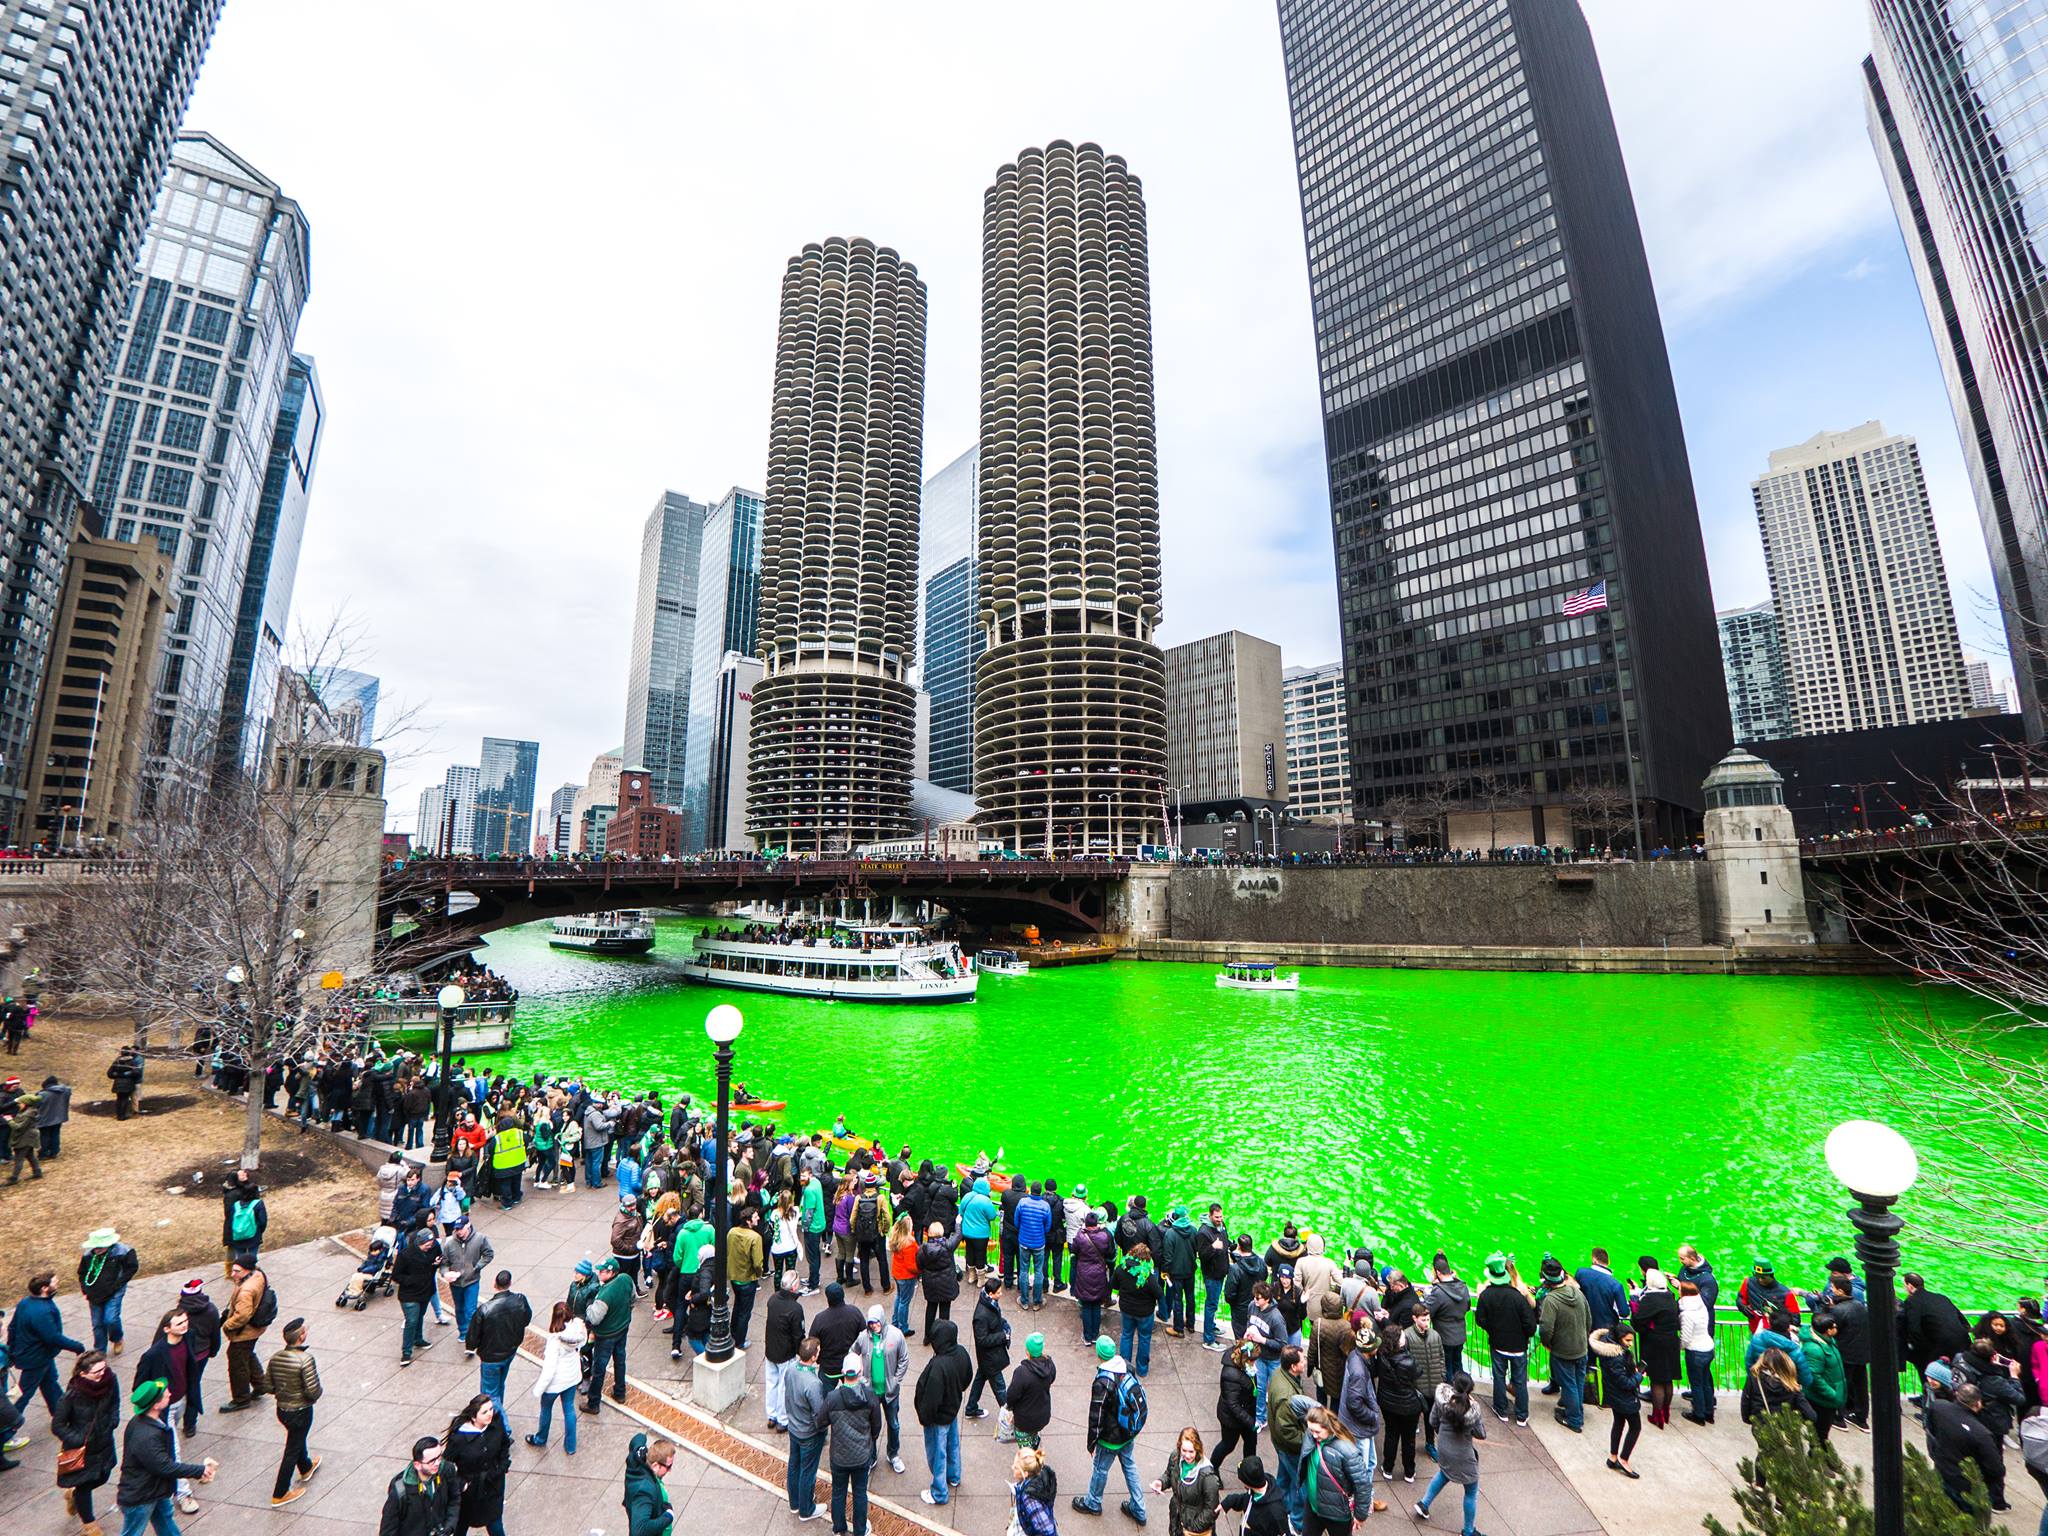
x: 374, y: 1273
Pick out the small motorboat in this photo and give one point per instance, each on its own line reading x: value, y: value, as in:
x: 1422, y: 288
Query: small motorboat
x: 1001, y: 962
x: 1256, y: 976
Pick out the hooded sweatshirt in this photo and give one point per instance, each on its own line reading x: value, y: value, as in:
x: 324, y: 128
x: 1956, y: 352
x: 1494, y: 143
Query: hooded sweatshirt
x: 942, y: 1386
x: 1315, y: 1276
x: 1449, y: 1301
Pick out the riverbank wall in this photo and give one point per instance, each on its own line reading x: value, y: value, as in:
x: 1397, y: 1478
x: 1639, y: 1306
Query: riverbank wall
x: 1675, y: 959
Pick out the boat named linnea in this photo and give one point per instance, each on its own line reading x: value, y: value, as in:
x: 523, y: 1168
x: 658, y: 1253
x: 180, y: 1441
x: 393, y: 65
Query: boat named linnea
x: 1256, y: 976
x: 855, y: 962
x: 625, y: 932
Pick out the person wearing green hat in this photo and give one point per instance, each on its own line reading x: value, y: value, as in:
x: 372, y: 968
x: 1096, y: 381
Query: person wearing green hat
x: 1029, y: 1409
x: 1508, y: 1318
x: 105, y: 1266
x: 150, y: 1468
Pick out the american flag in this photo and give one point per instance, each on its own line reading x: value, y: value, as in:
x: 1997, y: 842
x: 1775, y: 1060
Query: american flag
x: 1591, y: 600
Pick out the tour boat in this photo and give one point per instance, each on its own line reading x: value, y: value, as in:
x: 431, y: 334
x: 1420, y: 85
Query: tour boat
x: 1001, y: 962
x: 625, y: 932
x: 850, y: 962
x: 1256, y: 976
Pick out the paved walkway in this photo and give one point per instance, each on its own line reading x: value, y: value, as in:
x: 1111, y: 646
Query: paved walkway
x: 1547, y: 1483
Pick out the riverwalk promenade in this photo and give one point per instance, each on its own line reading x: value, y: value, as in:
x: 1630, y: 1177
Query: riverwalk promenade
x: 1541, y: 1481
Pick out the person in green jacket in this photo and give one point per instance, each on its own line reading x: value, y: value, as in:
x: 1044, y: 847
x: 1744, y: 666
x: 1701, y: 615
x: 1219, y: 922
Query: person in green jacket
x: 648, y: 1511
x: 610, y: 1314
x: 1827, y: 1385
x: 691, y: 1238
x: 1285, y: 1423
x: 812, y: 1209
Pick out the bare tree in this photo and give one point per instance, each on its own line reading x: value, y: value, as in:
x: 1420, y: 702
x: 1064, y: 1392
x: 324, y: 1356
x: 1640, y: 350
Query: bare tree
x: 1603, y: 808
x: 1398, y: 810
x: 1433, y: 804
x: 1492, y: 793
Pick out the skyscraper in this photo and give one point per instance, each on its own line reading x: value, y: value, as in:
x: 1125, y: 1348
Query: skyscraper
x: 1070, y: 695
x: 430, y: 832
x: 1318, y: 752
x: 1753, y: 664
x: 90, y: 99
x: 192, y: 413
x: 1986, y: 692
x: 1498, y: 416
x: 728, y: 614
x: 1958, y: 109
x: 950, y: 630
x: 828, y: 765
x: 562, y: 819
x: 505, y: 784
x: 664, y: 634
x: 458, y: 808
x: 1858, y: 583
x: 351, y: 702
x: 271, y: 566
x: 1226, y: 732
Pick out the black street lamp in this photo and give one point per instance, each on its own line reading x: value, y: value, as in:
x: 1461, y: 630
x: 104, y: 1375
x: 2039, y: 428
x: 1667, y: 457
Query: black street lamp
x: 1878, y: 1165
x: 723, y: 1024
x: 451, y: 998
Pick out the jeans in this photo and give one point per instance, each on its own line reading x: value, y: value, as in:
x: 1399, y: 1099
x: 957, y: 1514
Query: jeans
x: 158, y: 1517
x: 106, y: 1320
x: 1570, y: 1376
x: 905, y: 1289
x: 778, y: 1374
x: 1437, y: 1485
x: 593, y: 1166
x: 1287, y: 1484
x: 855, y: 1479
x: 1105, y: 1458
x: 298, y: 1423
x: 567, y: 1398
x: 892, y: 1421
x: 814, y: 1244
x: 1516, y: 1367
x: 1031, y: 1281
x: 465, y: 1305
x: 1091, y: 1321
x: 994, y: 1380
x: 1699, y: 1381
x: 50, y: 1136
x: 1180, y: 1302
x: 1262, y: 1373
x: 415, y: 1134
x: 801, y: 1476
x: 490, y: 1380
x: 44, y: 1381
x: 942, y: 1455
x: 742, y: 1311
x: 1212, y: 1293
x: 603, y: 1348
x: 195, y: 1376
x: 415, y: 1331
x: 1137, y: 1330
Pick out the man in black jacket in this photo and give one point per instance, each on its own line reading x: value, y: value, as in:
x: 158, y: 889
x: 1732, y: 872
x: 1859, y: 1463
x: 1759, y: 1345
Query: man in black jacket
x: 149, y: 1469
x: 414, y: 1270
x: 1212, y: 1260
x: 1852, y: 1338
x: 1247, y: 1269
x: 202, y: 1343
x: 991, y: 1349
x: 1955, y: 1433
x: 1137, y: 1227
x: 940, y: 1391
x: 783, y: 1336
x: 835, y: 1329
x: 1006, y: 1243
x: 1029, y: 1408
x: 1055, y: 1237
x: 1930, y: 1327
x: 496, y: 1330
x: 1508, y: 1319
x: 421, y: 1500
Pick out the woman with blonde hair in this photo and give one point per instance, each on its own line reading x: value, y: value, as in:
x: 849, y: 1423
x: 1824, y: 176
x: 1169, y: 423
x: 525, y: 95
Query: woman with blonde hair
x: 784, y: 1236
x: 903, y: 1268
x: 1336, y: 1482
x: 1033, y: 1491
x: 1773, y: 1387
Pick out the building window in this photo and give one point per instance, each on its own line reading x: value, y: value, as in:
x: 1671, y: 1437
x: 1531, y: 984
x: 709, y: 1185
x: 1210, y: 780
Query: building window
x: 210, y: 325
x: 183, y: 430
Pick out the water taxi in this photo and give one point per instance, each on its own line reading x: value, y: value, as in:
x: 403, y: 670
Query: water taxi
x: 883, y: 962
x: 1256, y: 976
x: 625, y: 932
x: 1001, y: 962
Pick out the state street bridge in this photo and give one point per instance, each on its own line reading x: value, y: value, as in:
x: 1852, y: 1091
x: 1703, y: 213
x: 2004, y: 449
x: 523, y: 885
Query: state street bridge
x: 420, y: 918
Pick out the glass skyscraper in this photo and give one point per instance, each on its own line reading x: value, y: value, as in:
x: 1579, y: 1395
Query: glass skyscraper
x: 506, y: 778
x: 1958, y: 104
x: 90, y: 100
x: 1753, y: 663
x: 728, y: 612
x: 950, y: 632
x: 664, y: 637
x: 1498, y: 414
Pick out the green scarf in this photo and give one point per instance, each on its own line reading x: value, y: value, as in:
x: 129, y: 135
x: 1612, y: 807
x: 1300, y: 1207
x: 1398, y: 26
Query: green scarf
x: 1140, y: 1270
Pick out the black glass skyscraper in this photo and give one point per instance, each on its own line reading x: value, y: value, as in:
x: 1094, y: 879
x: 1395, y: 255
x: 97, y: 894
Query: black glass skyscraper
x: 1499, y: 419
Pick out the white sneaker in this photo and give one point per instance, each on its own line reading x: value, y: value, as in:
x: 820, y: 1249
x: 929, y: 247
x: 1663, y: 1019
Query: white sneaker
x: 444, y: 1320
x: 187, y: 1505
x: 895, y: 1463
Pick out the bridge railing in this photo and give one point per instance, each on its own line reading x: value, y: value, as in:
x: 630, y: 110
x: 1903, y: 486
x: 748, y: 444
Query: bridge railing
x: 1993, y: 831
x: 740, y: 871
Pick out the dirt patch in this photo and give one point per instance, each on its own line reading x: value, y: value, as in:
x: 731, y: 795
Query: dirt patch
x: 114, y: 1172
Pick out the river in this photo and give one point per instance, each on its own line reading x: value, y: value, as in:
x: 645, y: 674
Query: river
x: 1462, y: 1109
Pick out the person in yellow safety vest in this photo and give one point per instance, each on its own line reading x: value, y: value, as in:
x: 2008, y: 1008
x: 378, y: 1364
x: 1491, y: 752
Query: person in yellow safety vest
x: 508, y: 1162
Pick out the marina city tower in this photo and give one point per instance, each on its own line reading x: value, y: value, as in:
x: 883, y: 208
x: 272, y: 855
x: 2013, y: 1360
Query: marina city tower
x: 1070, y: 693
x: 834, y: 715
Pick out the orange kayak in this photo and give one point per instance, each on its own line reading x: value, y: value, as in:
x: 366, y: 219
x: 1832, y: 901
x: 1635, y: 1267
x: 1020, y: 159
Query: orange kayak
x: 997, y: 1182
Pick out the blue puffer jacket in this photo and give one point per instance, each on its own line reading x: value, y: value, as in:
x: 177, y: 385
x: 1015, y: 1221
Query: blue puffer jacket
x: 1034, y: 1221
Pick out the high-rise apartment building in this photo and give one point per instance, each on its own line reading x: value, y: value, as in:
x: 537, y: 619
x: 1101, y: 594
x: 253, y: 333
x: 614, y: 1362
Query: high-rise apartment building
x: 1958, y: 108
x: 458, y: 810
x: 561, y: 827
x: 507, y: 774
x: 728, y: 614
x: 1070, y: 694
x: 91, y: 96
x: 1753, y: 665
x: 664, y: 637
x: 192, y: 408
x: 430, y: 831
x: 601, y: 787
x: 1226, y: 733
x: 1318, y: 748
x: 950, y: 633
x: 1987, y: 694
x: 732, y: 732
x: 1858, y: 583
x: 828, y: 765
x: 271, y: 567
x: 1522, y: 585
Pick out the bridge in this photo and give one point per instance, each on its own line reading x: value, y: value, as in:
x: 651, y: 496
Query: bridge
x: 420, y: 919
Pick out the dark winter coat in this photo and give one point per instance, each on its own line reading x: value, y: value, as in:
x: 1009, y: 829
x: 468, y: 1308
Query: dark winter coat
x: 648, y: 1511
x: 109, y: 1276
x: 1091, y: 1250
x: 90, y: 1422
x: 835, y: 1329
x: 1506, y: 1318
x: 1399, y: 1380
x: 415, y: 1509
x: 1031, y: 1394
x: 149, y: 1472
x: 784, y: 1328
x: 1450, y: 1303
x: 481, y: 1458
x: 854, y: 1415
x: 36, y: 1336
x: 414, y: 1270
x: 1191, y: 1502
x: 942, y: 1386
x: 1246, y: 1271
x: 1930, y: 1328
x: 202, y: 1332
x: 1236, y: 1399
x: 991, y: 1337
x: 935, y: 1270
x: 1135, y: 1297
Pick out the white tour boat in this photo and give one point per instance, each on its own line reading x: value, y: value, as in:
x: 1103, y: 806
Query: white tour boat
x: 1001, y: 962
x: 855, y: 962
x: 625, y: 932
x: 1256, y: 976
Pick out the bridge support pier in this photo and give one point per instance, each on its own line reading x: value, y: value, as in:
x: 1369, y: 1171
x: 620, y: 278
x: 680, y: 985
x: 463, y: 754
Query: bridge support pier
x: 1141, y: 904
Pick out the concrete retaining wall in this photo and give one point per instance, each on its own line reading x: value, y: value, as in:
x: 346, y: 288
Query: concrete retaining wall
x: 1678, y: 959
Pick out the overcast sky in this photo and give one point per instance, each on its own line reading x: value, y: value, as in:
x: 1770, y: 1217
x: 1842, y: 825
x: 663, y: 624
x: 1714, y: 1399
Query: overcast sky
x: 548, y: 243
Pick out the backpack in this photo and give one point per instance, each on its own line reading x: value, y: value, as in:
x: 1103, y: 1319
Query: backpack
x: 864, y: 1218
x: 266, y: 1309
x: 1127, y: 1408
x: 242, y: 1225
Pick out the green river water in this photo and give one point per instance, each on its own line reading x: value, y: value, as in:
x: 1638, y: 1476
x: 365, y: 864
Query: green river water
x: 1418, y: 1109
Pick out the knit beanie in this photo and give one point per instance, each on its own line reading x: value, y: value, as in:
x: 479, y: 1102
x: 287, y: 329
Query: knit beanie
x: 1035, y: 1346
x: 1104, y: 1350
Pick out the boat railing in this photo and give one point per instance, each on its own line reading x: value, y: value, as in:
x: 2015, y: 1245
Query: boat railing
x: 427, y: 1010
